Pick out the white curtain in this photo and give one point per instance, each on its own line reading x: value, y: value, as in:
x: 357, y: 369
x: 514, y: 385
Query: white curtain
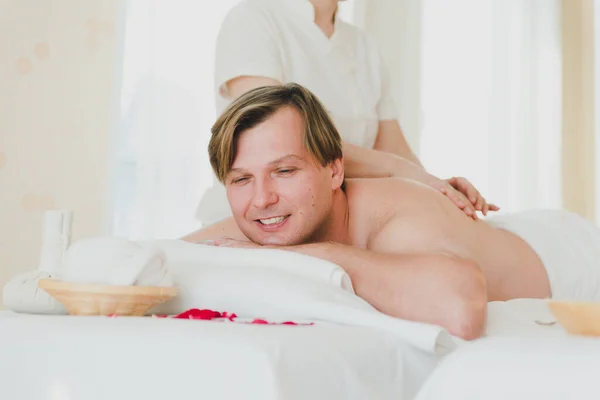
x: 491, y: 97
x: 167, y: 109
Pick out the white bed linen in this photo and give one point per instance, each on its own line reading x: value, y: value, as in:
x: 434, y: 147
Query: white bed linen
x: 253, y: 283
x: 519, y: 360
x: 58, y: 357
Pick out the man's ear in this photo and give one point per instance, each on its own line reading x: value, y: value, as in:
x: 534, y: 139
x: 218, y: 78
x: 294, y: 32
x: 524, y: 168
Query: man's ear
x: 337, y: 173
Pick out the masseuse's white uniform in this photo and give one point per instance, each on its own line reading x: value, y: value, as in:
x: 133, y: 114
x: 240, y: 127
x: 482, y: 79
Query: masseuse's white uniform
x: 278, y: 39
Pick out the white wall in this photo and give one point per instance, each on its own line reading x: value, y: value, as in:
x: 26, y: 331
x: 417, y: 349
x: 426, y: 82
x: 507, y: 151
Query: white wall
x: 57, y: 105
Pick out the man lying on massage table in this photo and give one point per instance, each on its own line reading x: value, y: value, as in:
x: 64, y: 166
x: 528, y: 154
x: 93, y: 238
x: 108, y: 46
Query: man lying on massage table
x: 408, y: 249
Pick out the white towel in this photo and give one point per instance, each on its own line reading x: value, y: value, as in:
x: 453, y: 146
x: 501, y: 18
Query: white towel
x: 253, y: 283
x: 567, y: 244
x: 56, y: 238
x: 522, y: 318
x: 281, y: 285
x: 103, y: 260
x: 115, y: 261
x: 181, y: 252
x: 21, y: 293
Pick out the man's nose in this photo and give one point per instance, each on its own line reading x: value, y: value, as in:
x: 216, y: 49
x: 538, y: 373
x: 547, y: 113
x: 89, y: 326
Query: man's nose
x: 265, y: 194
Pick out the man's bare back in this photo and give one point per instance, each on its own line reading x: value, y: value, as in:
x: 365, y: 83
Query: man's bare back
x: 405, y: 217
x: 400, y: 216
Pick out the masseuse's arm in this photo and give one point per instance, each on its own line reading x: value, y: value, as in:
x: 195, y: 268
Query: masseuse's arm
x: 360, y: 162
x: 385, y: 160
x: 390, y: 157
x: 391, y: 139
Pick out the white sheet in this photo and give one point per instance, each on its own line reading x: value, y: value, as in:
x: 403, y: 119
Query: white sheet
x: 265, y: 283
x: 519, y: 360
x: 567, y: 244
x: 123, y: 358
x: 276, y: 284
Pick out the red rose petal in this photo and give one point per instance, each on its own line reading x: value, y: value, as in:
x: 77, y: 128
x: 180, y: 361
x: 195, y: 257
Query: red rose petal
x: 229, y: 316
x: 207, y: 315
x: 195, y: 313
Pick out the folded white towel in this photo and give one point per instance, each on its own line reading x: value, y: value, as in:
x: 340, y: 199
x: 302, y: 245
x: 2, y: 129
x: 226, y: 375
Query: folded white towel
x: 115, y: 261
x: 99, y: 260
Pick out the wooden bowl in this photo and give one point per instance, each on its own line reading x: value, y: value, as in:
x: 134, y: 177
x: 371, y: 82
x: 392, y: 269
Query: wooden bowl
x: 579, y: 318
x: 92, y: 299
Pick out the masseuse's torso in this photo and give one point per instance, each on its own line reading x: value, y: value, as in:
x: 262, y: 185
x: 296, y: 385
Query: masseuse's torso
x: 279, y: 39
x: 428, y: 222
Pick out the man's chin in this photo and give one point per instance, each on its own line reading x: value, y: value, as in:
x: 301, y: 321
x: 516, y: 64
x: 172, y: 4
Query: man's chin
x: 277, y: 242
x: 274, y: 241
x: 272, y: 238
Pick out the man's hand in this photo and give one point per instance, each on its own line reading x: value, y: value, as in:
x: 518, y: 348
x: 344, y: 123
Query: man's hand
x: 229, y: 242
x: 466, y: 188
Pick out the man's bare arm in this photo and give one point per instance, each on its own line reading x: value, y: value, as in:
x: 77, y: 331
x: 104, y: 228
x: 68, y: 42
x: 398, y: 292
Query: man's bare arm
x: 434, y: 289
x: 226, y: 228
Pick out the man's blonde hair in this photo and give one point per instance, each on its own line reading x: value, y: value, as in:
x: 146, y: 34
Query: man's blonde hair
x: 320, y: 138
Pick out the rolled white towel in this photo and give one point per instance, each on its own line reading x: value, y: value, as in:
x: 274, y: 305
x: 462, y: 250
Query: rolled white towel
x: 103, y: 260
x: 181, y: 254
x: 115, y: 261
x: 56, y: 238
x: 21, y: 294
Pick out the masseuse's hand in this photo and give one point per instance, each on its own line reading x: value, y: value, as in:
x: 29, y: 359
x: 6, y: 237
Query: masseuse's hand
x: 458, y: 198
x: 469, y: 192
x: 459, y: 190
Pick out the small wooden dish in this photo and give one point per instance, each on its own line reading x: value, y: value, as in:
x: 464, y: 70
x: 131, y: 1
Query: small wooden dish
x: 92, y: 299
x: 579, y: 318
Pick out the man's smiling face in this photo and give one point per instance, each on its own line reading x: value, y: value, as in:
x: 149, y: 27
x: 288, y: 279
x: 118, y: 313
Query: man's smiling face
x: 278, y: 192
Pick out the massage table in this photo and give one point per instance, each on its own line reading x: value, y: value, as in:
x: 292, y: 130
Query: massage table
x: 350, y: 351
x: 524, y: 356
x: 341, y: 347
x: 59, y: 357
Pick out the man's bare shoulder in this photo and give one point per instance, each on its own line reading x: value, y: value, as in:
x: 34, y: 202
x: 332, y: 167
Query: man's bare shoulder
x: 225, y: 228
x: 372, y: 204
x: 395, y: 214
x: 387, y: 192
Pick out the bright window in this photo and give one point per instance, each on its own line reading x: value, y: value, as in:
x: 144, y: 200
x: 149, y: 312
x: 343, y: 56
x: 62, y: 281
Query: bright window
x: 167, y: 109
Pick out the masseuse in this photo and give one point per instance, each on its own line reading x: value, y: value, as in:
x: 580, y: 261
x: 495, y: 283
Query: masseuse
x: 270, y: 42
